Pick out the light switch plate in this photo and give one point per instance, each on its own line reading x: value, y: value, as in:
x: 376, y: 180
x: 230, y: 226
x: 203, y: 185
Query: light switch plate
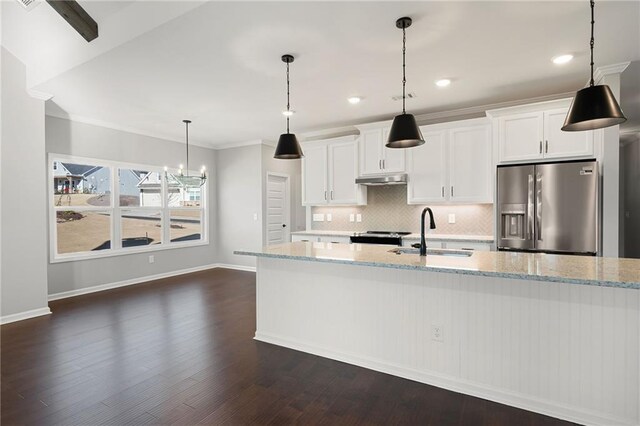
x: 329, y: 217
x: 352, y: 217
x: 358, y: 217
x: 152, y: 258
x: 255, y: 216
x: 318, y: 217
x: 452, y: 218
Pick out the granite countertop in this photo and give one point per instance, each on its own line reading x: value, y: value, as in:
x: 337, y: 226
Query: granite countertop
x: 599, y: 271
x: 429, y: 236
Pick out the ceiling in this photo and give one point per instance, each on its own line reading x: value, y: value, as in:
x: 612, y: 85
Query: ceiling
x: 218, y: 63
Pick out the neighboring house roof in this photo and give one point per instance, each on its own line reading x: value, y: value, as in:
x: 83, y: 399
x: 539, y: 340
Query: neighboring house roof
x: 80, y: 169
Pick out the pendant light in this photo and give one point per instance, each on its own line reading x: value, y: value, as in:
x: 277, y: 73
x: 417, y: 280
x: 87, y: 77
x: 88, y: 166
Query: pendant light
x: 288, y: 147
x: 187, y: 181
x: 404, y: 132
x: 593, y: 107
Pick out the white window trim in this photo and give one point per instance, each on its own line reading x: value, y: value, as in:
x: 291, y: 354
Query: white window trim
x: 115, y: 212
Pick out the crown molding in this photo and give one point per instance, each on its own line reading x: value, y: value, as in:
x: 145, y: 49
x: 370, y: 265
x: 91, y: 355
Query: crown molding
x: 232, y: 145
x: 43, y: 96
x: 113, y: 126
x: 606, y: 70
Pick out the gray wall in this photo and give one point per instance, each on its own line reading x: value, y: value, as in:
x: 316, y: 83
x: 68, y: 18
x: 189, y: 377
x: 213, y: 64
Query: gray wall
x: 23, y: 223
x: 239, y: 182
x: 630, y: 176
x: 84, y: 140
x: 293, y: 168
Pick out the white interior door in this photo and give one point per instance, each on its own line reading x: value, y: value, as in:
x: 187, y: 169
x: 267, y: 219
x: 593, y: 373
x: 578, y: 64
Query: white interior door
x: 278, y: 209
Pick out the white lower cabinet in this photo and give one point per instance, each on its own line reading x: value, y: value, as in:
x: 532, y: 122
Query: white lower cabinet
x: 453, y: 165
x: 337, y: 239
x: 329, y: 172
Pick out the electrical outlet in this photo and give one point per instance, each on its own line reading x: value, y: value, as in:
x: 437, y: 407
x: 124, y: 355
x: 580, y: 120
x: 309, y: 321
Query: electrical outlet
x: 255, y: 216
x: 152, y: 258
x: 358, y: 217
x: 318, y: 217
x: 437, y: 333
x: 352, y: 217
x: 329, y: 217
x: 452, y: 218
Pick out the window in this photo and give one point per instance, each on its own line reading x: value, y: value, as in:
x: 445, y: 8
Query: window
x: 101, y: 208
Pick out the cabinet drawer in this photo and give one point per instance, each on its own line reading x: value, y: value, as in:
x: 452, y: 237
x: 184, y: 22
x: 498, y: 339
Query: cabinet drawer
x: 461, y: 245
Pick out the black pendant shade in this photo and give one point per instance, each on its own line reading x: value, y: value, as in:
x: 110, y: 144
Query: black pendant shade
x: 288, y: 147
x: 593, y: 107
x: 404, y: 132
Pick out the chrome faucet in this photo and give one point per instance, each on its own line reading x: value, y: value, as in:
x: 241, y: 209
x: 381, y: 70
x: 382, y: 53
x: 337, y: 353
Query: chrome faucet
x: 432, y: 225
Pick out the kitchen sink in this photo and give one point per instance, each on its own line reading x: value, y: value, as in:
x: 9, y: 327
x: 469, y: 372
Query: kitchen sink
x: 432, y: 252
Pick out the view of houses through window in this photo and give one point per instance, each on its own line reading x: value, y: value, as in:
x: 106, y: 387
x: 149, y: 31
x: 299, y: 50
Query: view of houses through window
x: 100, y: 208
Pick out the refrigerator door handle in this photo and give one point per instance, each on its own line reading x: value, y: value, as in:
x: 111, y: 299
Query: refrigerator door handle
x: 530, y: 204
x: 539, y: 206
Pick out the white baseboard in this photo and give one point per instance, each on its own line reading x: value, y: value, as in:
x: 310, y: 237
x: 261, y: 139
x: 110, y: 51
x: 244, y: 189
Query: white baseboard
x: 147, y: 278
x: 454, y: 384
x: 139, y: 280
x: 6, y: 319
x: 237, y: 267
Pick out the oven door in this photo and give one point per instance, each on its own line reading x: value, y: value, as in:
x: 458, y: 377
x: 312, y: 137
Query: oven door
x: 364, y: 239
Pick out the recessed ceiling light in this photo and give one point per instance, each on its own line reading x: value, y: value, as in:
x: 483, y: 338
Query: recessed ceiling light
x: 443, y: 83
x: 288, y: 113
x: 562, y: 59
x: 354, y: 100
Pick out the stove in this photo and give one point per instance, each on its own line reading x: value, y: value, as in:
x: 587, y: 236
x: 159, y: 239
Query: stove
x: 392, y: 238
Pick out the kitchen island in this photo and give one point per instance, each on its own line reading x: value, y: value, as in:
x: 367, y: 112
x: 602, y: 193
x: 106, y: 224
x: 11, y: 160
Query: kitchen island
x: 559, y: 335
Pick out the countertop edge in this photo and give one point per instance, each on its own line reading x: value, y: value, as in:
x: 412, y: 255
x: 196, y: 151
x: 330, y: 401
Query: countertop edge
x: 614, y: 284
x: 439, y: 237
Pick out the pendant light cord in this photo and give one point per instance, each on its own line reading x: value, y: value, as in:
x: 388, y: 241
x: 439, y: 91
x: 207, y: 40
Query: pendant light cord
x: 404, y: 65
x: 288, y: 106
x: 592, y: 42
x: 187, y: 139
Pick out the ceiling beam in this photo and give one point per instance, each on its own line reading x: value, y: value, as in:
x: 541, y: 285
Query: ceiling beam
x: 77, y: 17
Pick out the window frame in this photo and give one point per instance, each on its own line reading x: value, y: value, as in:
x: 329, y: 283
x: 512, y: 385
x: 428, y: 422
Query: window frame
x: 115, y: 211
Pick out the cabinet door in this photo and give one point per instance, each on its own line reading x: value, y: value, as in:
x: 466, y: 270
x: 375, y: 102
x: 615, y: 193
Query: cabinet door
x: 470, y: 166
x: 427, y: 169
x: 343, y: 170
x: 314, y: 175
x: 520, y: 137
x: 393, y: 159
x: 371, y: 152
x: 559, y: 144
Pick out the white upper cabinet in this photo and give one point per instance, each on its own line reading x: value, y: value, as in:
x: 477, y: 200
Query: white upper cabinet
x: 521, y: 136
x: 427, y: 169
x: 533, y: 133
x: 314, y: 175
x: 375, y: 157
x: 453, y: 166
x: 329, y: 171
x: 343, y: 171
x: 559, y: 144
x: 470, y: 166
x: 393, y: 159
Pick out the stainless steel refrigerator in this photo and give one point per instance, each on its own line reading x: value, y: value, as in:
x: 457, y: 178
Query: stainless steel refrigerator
x: 552, y: 207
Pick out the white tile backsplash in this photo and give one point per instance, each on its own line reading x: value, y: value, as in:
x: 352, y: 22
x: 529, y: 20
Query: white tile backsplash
x: 387, y: 210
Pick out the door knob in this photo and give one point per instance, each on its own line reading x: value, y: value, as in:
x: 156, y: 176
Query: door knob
x: 284, y: 226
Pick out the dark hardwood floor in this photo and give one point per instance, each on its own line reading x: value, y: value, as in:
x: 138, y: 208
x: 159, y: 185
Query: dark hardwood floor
x: 180, y: 351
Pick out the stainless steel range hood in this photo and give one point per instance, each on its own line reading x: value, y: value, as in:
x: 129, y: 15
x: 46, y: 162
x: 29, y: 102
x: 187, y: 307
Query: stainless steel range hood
x: 399, y: 179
